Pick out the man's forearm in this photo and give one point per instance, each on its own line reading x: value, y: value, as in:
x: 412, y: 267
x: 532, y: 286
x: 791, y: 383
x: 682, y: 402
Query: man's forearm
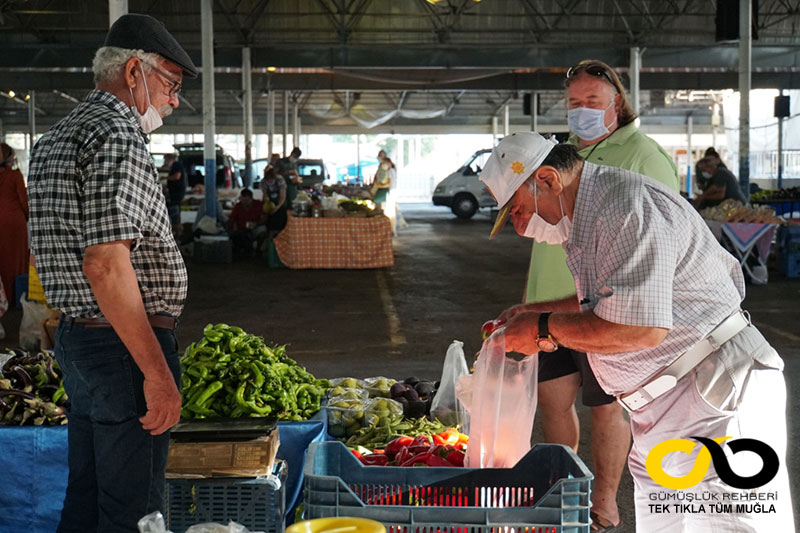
x: 114, y: 284
x: 564, y: 305
x: 582, y: 331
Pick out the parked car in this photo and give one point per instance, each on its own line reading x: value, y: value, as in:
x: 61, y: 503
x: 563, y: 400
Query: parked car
x: 191, y: 155
x: 462, y: 191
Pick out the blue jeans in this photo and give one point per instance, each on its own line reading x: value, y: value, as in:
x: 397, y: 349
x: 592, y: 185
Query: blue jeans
x: 116, y: 468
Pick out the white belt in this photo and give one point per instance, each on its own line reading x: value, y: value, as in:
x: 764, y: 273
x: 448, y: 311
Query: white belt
x: 668, y: 378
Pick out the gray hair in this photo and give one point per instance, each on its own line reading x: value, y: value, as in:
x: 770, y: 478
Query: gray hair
x: 109, y: 61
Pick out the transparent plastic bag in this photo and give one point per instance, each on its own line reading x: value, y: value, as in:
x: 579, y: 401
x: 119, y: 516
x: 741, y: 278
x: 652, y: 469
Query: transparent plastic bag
x: 379, y: 387
x: 33, y: 314
x: 503, y: 406
x: 446, y: 405
x: 154, y: 523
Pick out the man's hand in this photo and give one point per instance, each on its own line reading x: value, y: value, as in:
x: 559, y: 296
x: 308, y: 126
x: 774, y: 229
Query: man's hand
x: 509, y: 313
x: 163, y: 404
x: 521, y: 331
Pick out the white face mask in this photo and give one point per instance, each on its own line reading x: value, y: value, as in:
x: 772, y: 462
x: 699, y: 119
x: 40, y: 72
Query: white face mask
x: 541, y: 230
x: 587, y: 123
x: 705, y: 174
x: 151, y: 120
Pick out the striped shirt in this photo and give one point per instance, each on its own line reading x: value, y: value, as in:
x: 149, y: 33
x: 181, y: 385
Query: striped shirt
x: 93, y: 181
x: 642, y: 256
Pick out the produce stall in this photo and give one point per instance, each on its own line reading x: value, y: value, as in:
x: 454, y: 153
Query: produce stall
x: 346, y: 242
x: 746, y: 232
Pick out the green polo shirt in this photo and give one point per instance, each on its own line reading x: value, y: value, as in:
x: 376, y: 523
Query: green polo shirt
x: 548, y: 276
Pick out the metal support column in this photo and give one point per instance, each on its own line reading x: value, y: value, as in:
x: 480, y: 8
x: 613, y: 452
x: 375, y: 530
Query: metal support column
x: 534, y: 111
x: 2, y: 132
x: 32, y: 119
x: 494, y: 130
x: 633, y: 74
x: 689, y: 155
x: 358, y: 159
x: 780, y: 151
x: 295, y: 125
x: 247, y: 86
x: 270, y: 122
x: 745, y: 50
x: 285, y: 122
x: 209, y: 122
x: 505, y: 120
x: 116, y: 8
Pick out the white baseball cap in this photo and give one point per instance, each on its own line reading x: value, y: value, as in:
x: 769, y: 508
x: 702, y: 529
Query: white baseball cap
x: 513, y: 161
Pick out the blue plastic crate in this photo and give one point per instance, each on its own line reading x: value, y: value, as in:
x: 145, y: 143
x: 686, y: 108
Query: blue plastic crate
x: 253, y: 502
x: 548, y: 491
x: 789, y: 251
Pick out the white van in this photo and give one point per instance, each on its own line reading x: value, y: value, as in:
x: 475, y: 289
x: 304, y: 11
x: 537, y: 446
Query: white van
x: 462, y: 191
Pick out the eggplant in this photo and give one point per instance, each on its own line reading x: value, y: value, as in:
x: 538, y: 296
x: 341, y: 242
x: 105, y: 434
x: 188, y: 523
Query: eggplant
x: 416, y: 409
x: 411, y: 395
x: 424, y: 389
x: 412, y: 381
x: 397, y: 390
x: 19, y: 393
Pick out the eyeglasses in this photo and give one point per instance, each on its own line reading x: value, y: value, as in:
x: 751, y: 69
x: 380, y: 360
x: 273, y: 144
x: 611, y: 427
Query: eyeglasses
x: 594, y: 70
x: 175, y: 85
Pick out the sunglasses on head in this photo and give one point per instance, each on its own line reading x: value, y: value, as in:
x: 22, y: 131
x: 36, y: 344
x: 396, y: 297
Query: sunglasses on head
x: 594, y: 70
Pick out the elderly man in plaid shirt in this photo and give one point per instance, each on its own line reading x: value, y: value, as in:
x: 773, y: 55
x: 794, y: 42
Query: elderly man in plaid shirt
x: 657, y: 311
x: 107, y: 259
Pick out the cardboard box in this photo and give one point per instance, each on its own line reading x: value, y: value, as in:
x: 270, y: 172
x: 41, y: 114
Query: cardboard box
x: 248, y: 458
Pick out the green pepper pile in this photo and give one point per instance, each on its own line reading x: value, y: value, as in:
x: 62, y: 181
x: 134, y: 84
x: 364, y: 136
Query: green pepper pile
x: 230, y: 373
x: 31, y: 391
x: 378, y: 435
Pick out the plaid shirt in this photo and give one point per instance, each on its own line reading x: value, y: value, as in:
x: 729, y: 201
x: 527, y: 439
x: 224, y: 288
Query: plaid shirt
x: 93, y: 181
x: 642, y: 256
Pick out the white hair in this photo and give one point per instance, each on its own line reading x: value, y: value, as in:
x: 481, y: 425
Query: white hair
x: 109, y: 61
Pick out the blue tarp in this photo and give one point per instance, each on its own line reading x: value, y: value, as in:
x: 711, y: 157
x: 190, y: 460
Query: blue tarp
x: 33, y: 463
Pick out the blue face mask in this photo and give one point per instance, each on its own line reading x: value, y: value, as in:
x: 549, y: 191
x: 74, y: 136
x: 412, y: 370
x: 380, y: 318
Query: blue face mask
x: 587, y: 123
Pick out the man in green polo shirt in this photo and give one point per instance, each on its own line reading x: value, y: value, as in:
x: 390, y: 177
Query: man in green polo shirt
x: 602, y: 124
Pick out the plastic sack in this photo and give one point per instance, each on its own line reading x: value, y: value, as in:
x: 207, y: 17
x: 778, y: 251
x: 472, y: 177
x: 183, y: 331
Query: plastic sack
x: 446, y: 405
x: 503, y: 406
x: 154, y: 523
x: 33, y: 314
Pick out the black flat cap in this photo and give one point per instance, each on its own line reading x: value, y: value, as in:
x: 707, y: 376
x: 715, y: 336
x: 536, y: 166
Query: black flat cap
x: 143, y: 32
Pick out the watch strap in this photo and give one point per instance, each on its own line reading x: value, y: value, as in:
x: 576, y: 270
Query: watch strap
x: 544, y: 330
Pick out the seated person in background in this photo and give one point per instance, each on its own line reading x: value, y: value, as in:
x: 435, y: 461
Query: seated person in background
x: 246, y: 223
x: 721, y: 184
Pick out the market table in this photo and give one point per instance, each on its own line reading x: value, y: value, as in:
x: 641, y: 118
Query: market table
x: 349, y: 243
x: 746, y: 240
x: 34, y: 466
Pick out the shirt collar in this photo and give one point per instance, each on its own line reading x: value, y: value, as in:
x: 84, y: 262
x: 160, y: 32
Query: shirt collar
x: 99, y: 96
x: 619, y: 137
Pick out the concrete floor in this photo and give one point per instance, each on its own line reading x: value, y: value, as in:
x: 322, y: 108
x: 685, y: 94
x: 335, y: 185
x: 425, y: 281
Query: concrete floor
x: 447, y: 280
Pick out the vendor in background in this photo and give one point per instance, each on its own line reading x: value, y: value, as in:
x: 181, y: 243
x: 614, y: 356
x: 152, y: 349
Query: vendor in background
x: 108, y: 260
x: 274, y: 188
x: 13, y: 221
x: 246, y: 224
x: 603, y: 129
x: 177, y: 181
x: 382, y: 181
x: 287, y: 167
x: 719, y: 183
x: 654, y: 288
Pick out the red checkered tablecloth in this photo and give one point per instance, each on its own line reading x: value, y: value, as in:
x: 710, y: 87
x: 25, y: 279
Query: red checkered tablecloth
x: 336, y: 243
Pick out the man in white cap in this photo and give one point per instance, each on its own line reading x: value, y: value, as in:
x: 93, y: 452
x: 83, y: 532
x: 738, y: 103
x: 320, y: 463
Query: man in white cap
x: 657, y: 311
x: 107, y: 259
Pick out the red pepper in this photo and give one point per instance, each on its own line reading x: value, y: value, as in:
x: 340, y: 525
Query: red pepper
x: 437, y: 460
x: 356, y: 453
x: 379, y: 451
x: 375, y: 460
x: 394, y: 447
x: 450, y: 436
x: 421, y: 440
x: 455, y: 457
x: 438, y: 440
x: 419, y: 458
x: 402, y: 456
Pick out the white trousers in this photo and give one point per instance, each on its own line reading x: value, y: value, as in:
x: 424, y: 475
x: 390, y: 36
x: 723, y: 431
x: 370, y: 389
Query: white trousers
x: 716, y: 400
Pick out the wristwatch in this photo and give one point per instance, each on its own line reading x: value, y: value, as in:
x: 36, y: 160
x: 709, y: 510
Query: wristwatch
x: 544, y: 340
